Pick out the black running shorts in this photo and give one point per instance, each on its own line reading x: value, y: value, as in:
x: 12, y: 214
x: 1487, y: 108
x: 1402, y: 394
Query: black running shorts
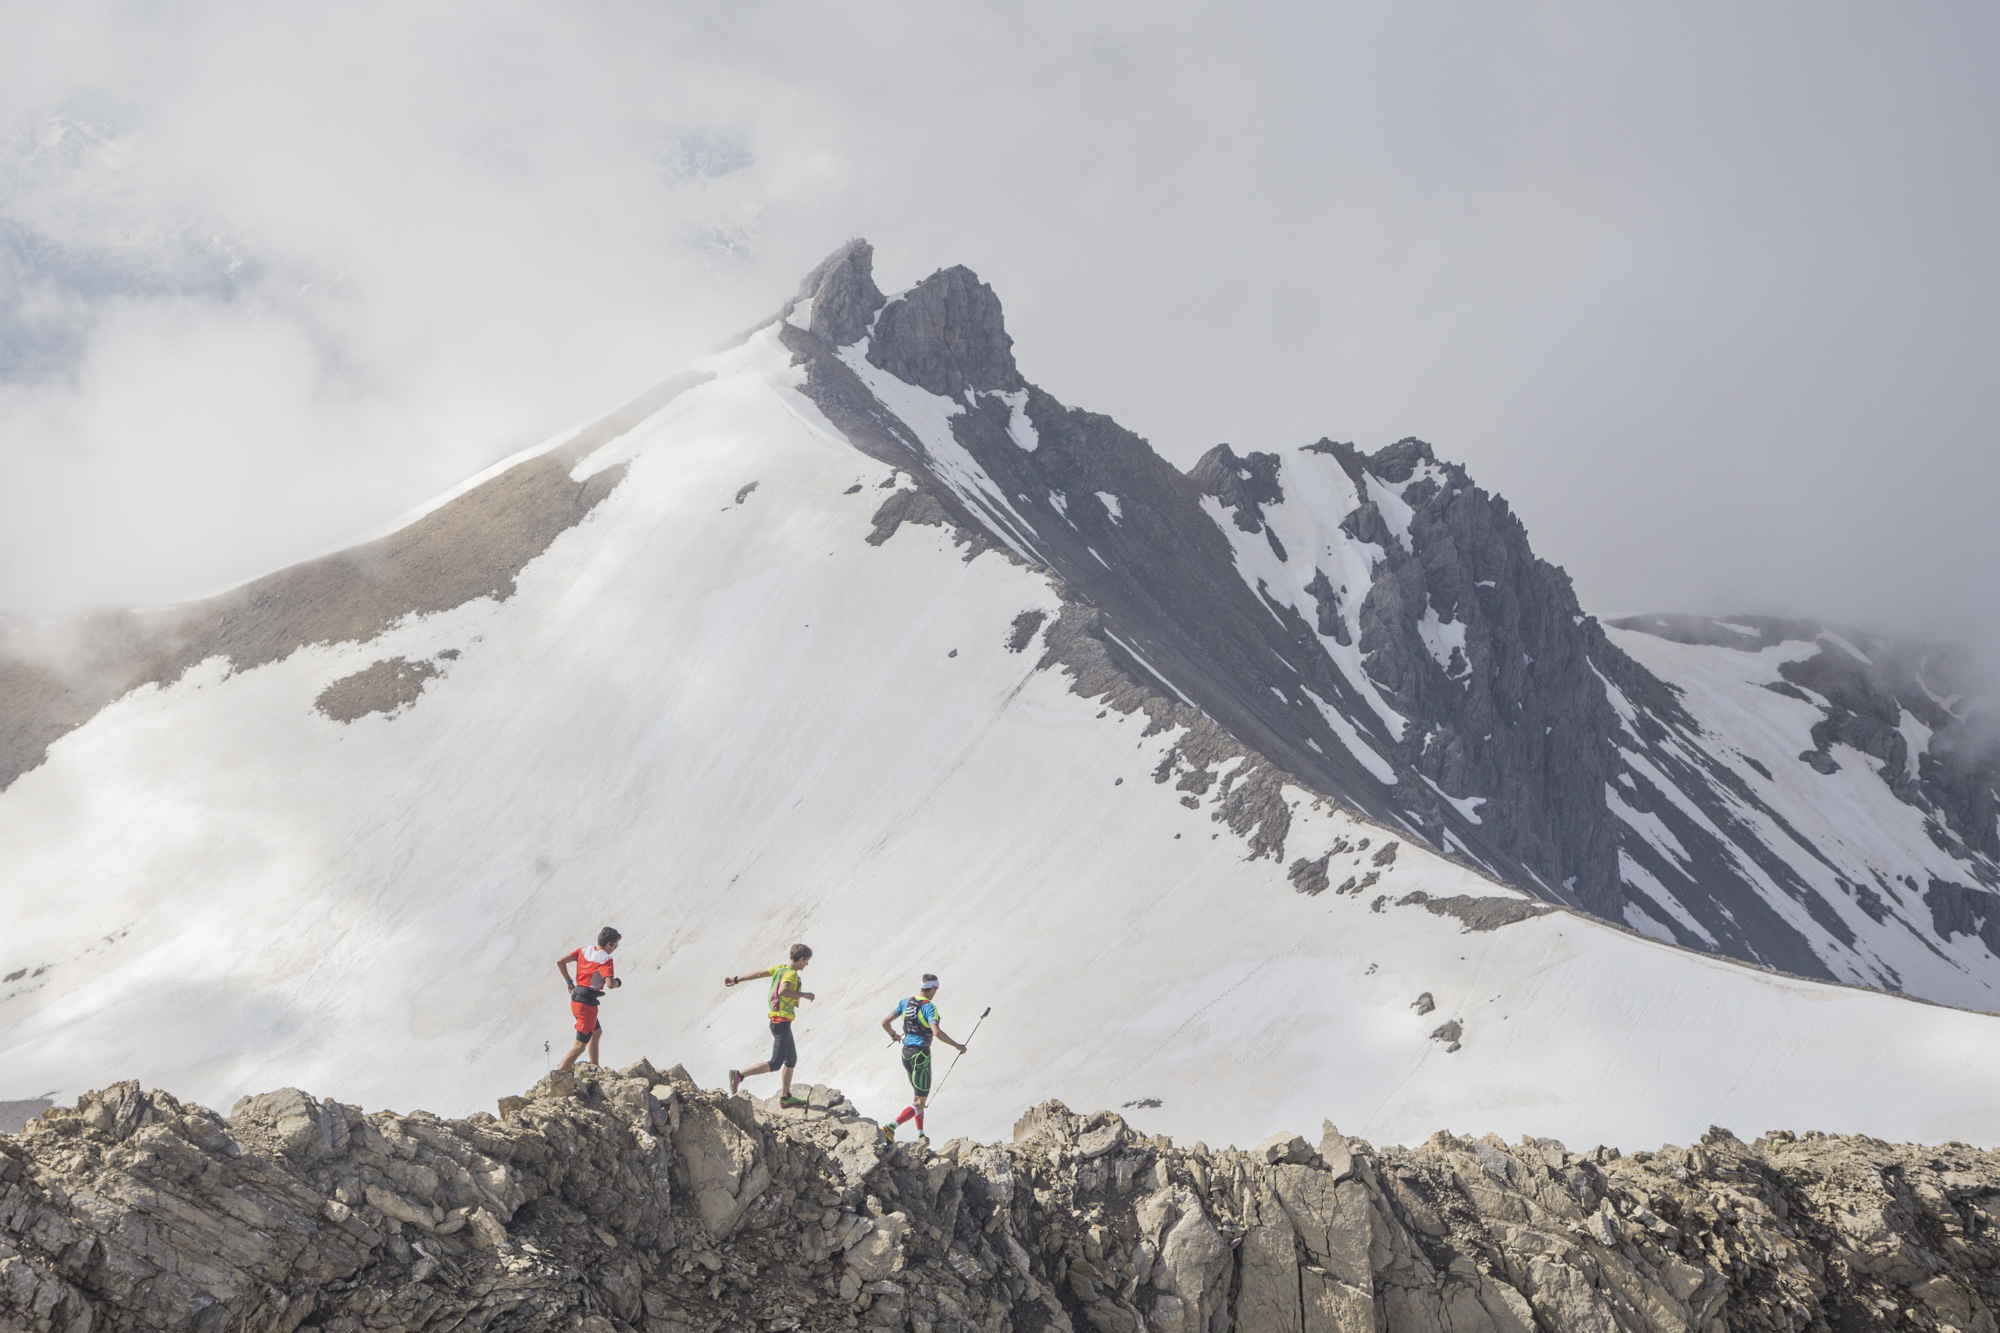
x: 917, y: 1064
x: 784, y: 1055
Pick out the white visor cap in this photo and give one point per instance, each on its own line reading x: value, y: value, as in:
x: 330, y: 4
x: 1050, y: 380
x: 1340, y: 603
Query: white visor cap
x: 930, y: 982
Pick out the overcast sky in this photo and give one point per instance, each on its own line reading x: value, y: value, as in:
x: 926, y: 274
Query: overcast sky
x: 1709, y: 291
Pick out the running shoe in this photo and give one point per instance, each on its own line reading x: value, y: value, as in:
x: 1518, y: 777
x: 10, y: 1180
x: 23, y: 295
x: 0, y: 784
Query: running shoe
x: 788, y: 1103
x: 735, y: 1081
x: 889, y: 1133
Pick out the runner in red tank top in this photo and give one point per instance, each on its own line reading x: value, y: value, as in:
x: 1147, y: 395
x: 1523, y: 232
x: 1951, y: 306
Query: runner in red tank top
x: 593, y: 978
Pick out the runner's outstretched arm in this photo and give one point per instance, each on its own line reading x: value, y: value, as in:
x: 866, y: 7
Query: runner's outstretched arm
x: 945, y: 1039
x: 746, y: 976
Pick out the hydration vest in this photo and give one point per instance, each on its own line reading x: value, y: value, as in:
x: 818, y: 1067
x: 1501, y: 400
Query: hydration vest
x: 913, y: 1022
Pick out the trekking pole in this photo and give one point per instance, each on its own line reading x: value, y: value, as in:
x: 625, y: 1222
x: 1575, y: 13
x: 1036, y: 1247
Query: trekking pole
x: 961, y: 1055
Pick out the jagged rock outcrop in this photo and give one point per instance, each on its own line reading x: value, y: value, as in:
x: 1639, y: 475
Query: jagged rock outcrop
x: 946, y: 335
x: 843, y: 294
x: 634, y: 1200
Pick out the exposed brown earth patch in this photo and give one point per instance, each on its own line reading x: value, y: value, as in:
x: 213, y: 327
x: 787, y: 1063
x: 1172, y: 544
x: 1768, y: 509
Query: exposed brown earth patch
x: 1477, y: 913
x: 380, y: 688
x: 913, y: 506
x: 1026, y: 626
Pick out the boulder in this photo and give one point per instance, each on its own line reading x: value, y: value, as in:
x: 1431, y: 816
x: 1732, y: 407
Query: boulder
x: 1282, y: 1147
x: 877, y: 1254
x: 1193, y: 1263
x: 719, y: 1163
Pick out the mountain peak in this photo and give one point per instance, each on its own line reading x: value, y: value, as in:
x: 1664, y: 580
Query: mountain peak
x: 840, y: 294
x: 946, y: 334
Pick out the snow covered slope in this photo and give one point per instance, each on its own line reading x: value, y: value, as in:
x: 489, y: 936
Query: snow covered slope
x: 716, y: 670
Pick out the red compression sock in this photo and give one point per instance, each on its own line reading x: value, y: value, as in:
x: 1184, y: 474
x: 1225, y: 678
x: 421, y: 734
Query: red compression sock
x: 920, y: 1120
x: 909, y: 1111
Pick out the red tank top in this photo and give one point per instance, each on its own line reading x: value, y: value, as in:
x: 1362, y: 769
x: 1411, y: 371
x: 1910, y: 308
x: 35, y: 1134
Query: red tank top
x: 593, y: 967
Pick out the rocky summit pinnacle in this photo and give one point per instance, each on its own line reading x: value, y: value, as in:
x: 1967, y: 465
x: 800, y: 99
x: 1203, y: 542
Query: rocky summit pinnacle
x: 843, y: 294
x: 946, y: 335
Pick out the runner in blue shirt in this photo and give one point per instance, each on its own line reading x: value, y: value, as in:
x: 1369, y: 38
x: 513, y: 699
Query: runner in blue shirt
x: 919, y: 1017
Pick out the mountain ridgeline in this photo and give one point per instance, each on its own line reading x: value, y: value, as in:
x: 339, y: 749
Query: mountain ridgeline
x: 1378, y: 627
x: 614, y: 1202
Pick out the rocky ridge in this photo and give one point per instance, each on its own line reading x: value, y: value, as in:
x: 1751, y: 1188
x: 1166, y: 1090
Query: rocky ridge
x: 637, y: 1201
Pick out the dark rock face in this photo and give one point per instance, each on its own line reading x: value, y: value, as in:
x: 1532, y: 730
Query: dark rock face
x: 1515, y: 714
x: 1243, y: 484
x: 611, y: 1202
x: 1406, y: 654
x: 1174, y: 612
x: 946, y: 335
x: 1957, y: 909
x: 1168, y: 609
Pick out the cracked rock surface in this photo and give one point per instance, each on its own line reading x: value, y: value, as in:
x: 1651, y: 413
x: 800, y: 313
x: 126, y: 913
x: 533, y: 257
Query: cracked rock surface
x: 636, y: 1201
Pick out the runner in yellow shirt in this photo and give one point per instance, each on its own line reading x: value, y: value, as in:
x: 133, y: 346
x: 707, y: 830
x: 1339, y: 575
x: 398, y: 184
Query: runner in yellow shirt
x: 782, y: 1009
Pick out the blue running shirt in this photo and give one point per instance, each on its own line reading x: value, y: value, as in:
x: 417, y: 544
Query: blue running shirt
x: 926, y: 1017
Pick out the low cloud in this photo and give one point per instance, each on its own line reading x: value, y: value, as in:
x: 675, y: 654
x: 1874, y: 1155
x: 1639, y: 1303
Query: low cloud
x: 1706, y: 292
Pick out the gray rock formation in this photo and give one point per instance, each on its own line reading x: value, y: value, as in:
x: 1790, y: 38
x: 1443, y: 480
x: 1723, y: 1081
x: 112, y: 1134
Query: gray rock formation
x: 633, y: 1200
x: 843, y: 294
x: 946, y: 335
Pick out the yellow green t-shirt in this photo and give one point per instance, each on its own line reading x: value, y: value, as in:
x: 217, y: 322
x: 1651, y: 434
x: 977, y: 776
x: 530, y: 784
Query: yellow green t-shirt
x: 784, y: 1008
